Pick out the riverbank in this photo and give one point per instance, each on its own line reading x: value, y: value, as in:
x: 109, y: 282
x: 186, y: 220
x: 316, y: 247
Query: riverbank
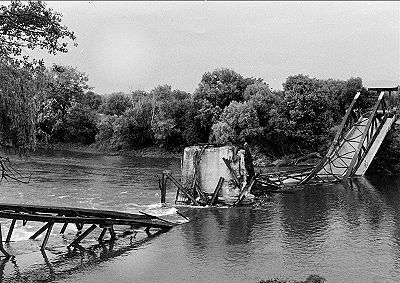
x: 259, y: 160
x: 142, y: 152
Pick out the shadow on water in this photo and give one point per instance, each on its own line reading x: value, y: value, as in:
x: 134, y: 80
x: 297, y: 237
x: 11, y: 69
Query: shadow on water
x: 77, y: 260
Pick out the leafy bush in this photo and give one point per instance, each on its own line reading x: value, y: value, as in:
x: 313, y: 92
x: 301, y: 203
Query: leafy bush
x: 106, y: 130
x: 116, y: 104
x: 130, y: 130
x: 222, y: 86
x: 238, y: 123
x: 79, y: 125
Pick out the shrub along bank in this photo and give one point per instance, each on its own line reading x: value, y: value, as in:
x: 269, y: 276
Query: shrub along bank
x: 225, y: 108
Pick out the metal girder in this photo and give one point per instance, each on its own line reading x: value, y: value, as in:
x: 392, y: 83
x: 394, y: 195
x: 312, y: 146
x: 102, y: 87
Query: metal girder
x: 356, y: 135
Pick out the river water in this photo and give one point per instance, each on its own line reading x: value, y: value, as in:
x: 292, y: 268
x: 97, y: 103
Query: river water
x: 342, y: 232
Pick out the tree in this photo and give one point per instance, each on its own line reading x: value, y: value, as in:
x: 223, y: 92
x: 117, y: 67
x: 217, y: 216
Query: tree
x: 80, y: 125
x: 139, y: 97
x: 307, y: 111
x: 91, y: 100
x: 17, y: 115
x: 65, y: 88
x: 222, y: 86
x: 170, y: 122
x: 24, y: 25
x: 30, y: 25
x: 300, y: 84
x: 261, y: 98
x: 238, y: 123
x: 116, y: 104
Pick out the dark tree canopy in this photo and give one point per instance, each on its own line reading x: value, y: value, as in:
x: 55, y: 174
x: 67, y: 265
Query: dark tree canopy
x: 30, y: 25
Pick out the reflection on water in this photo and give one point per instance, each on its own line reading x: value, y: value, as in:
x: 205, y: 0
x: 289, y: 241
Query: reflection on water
x: 346, y: 232
x: 79, y: 259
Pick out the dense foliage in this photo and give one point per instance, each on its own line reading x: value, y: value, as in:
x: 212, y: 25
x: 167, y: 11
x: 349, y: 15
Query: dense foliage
x: 25, y: 25
x: 229, y: 108
x: 56, y: 104
x: 17, y: 114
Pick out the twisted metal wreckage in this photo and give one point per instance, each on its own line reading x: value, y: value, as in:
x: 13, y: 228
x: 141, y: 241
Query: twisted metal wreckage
x: 225, y: 175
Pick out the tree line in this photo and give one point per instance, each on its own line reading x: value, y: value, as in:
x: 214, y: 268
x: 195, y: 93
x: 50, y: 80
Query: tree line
x: 228, y: 108
x: 225, y: 108
x: 56, y: 104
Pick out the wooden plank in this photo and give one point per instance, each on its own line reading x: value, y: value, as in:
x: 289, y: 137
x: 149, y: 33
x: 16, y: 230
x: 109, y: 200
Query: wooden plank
x: 69, y: 211
x: 10, y: 230
x: 63, y: 228
x: 163, y: 185
x: 89, y: 220
x: 246, y: 189
x: 155, y: 217
x: 183, y: 189
x: 217, y: 189
x: 83, y: 235
x: 40, y: 231
x: 200, y: 193
x: 100, y: 238
x: 233, y: 174
x: 46, y: 237
x: 248, y: 160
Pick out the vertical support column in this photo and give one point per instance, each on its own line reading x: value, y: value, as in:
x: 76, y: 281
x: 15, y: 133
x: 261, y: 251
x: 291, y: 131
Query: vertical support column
x: 10, y: 230
x: 1, y: 245
x: 216, y: 191
x: 112, y: 233
x: 102, y: 235
x: 163, y: 185
x: 46, y: 237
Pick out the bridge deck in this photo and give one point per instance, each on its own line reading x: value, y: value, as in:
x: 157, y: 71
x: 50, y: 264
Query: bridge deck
x: 50, y: 215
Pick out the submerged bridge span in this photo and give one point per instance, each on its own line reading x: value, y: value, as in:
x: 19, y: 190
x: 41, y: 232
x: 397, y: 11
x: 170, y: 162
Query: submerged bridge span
x: 104, y: 219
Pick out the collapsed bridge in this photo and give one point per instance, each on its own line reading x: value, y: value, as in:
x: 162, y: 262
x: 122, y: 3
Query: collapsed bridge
x: 103, y: 219
x: 355, y: 145
x: 226, y: 175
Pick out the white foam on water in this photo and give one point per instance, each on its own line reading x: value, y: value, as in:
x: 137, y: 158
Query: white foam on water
x: 20, y: 234
x: 158, y: 209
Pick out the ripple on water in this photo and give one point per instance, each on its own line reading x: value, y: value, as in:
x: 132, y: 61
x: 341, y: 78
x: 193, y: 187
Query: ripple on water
x: 345, y: 234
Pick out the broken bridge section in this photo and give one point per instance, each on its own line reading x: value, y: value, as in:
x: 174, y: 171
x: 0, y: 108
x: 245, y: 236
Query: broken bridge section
x: 103, y: 219
x: 358, y: 139
x: 354, y: 147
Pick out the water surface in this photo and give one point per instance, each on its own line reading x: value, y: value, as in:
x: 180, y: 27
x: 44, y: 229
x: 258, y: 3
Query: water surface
x: 343, y: 232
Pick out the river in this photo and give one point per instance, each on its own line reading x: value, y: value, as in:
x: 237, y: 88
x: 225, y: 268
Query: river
x: 342, y: 232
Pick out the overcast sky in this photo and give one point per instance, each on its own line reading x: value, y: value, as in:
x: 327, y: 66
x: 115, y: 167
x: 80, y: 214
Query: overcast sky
x: 139, y: 45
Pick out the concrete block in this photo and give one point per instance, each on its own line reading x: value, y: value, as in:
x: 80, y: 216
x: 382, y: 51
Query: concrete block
x: 207, y: 165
